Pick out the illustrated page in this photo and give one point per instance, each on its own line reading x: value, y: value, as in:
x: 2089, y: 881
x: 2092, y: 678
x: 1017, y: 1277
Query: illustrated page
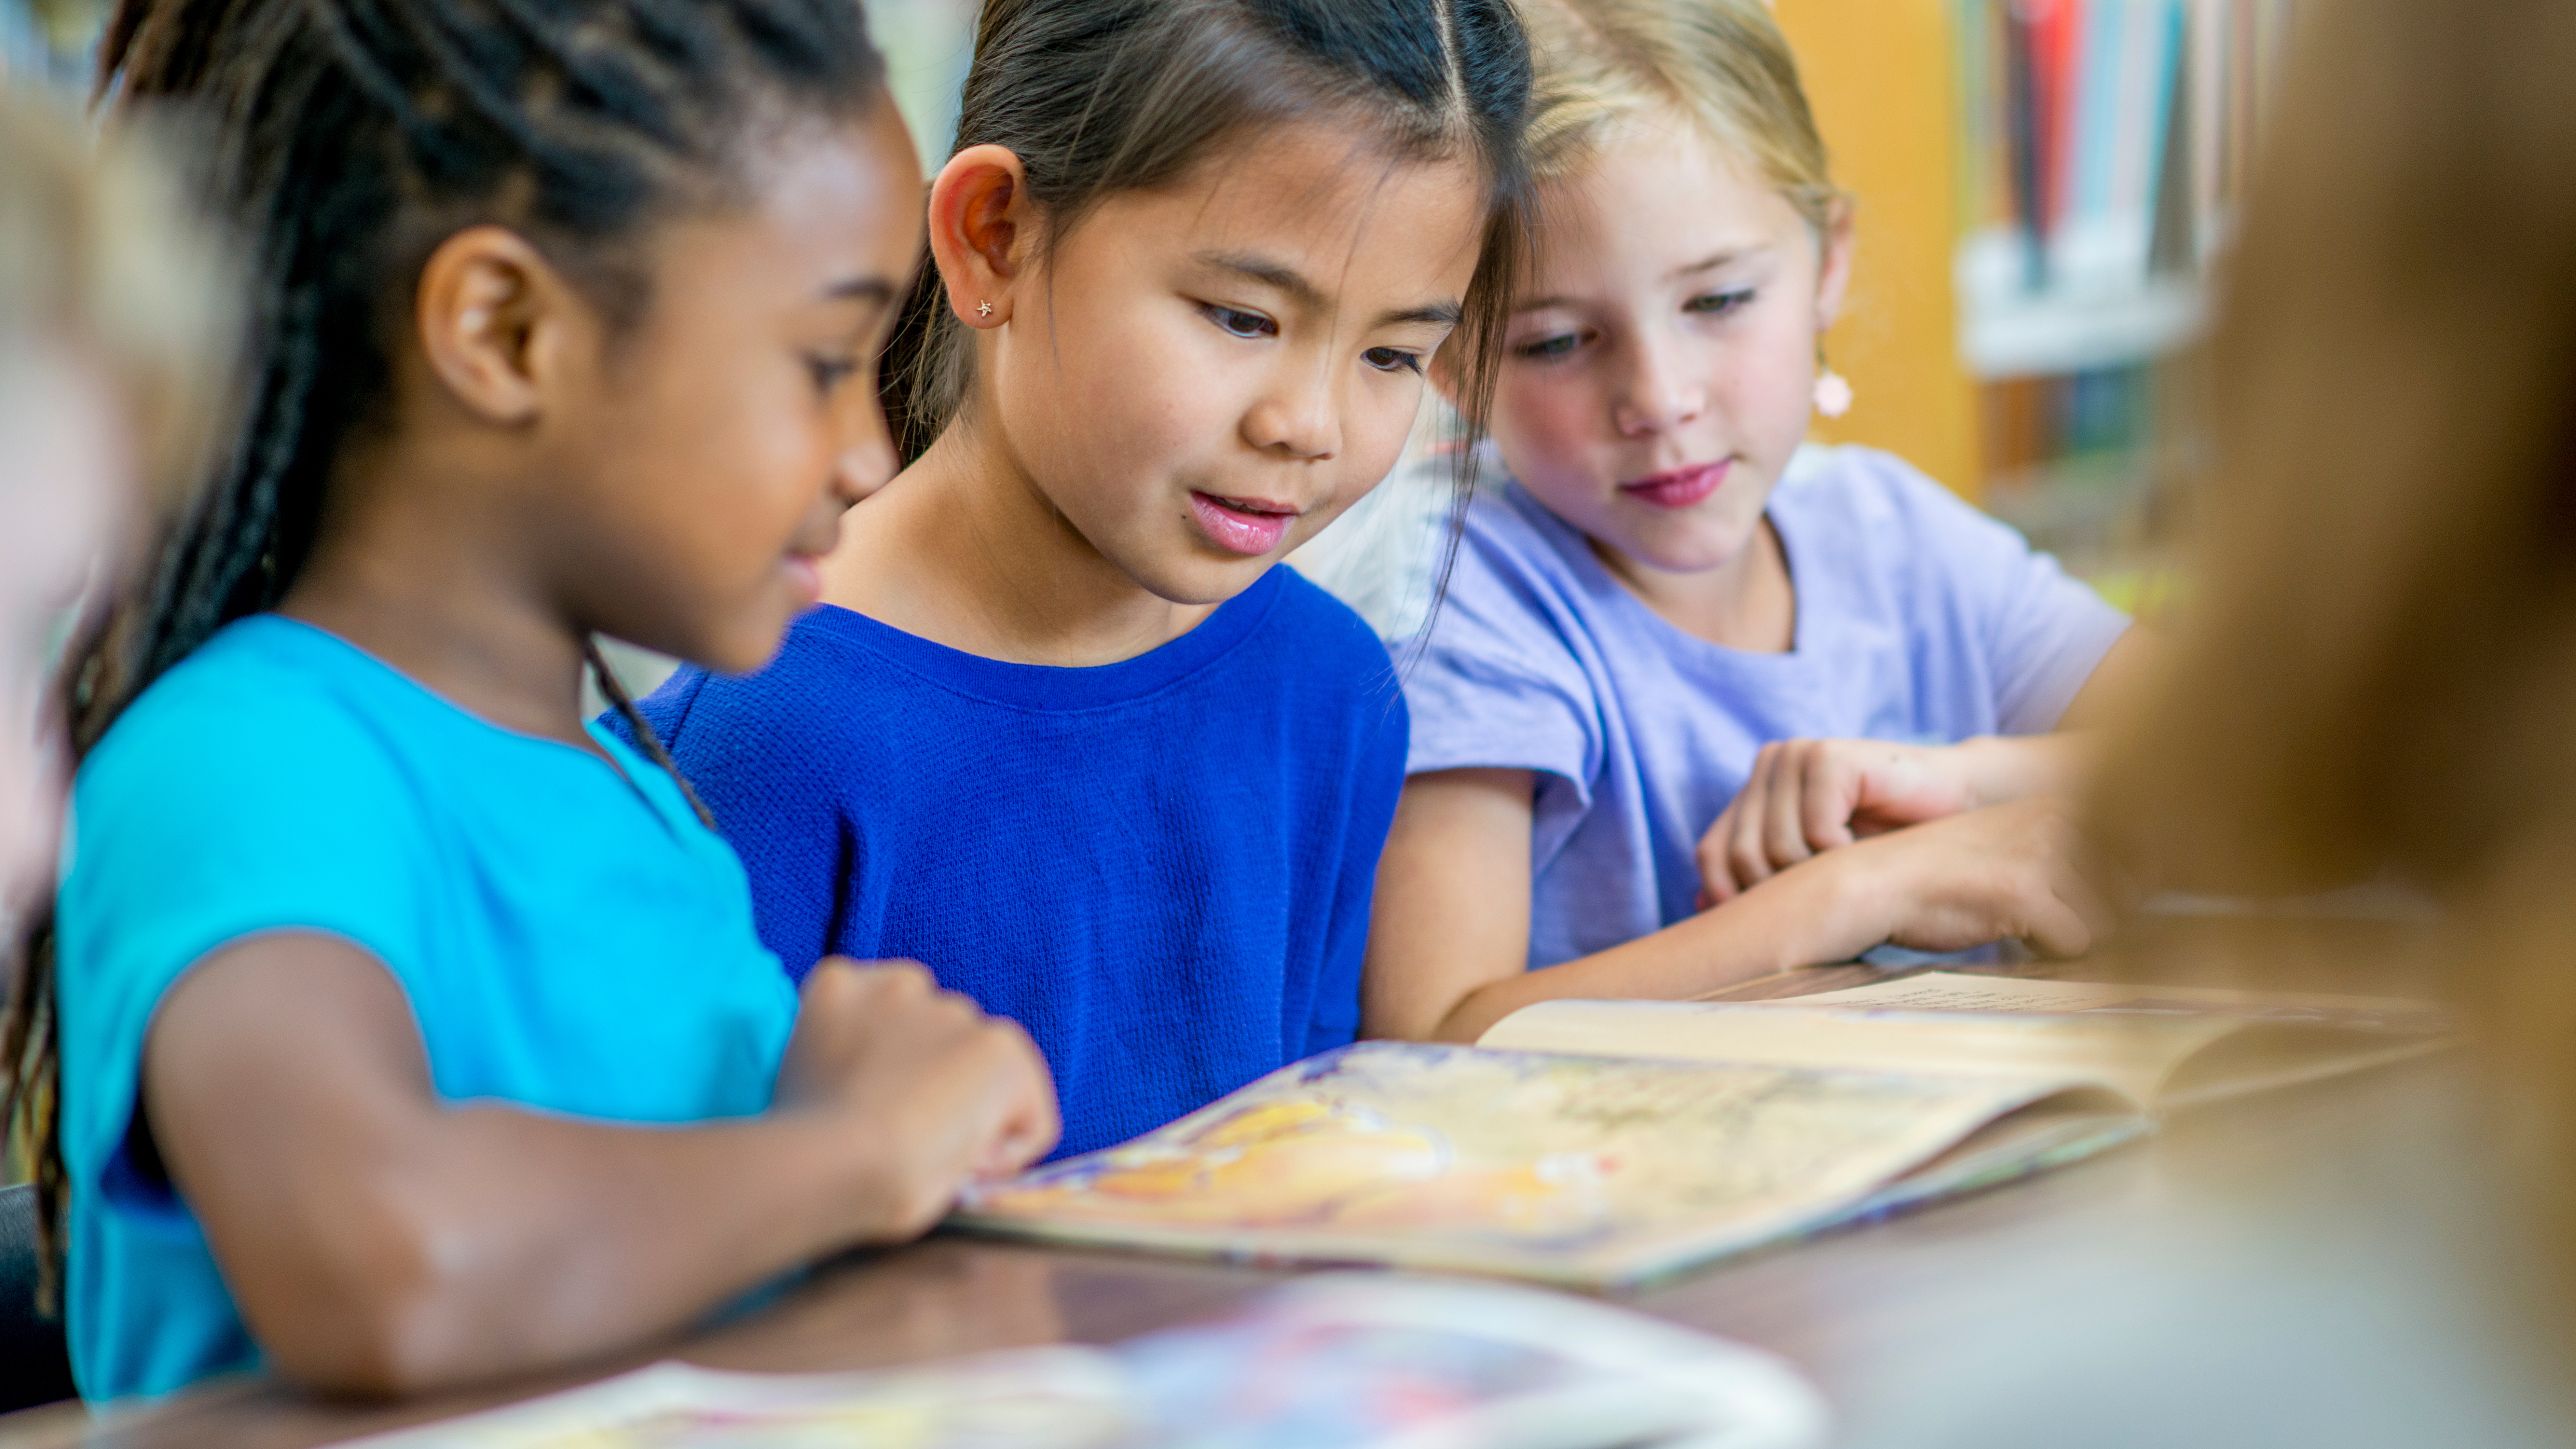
x: 1571, y: 1169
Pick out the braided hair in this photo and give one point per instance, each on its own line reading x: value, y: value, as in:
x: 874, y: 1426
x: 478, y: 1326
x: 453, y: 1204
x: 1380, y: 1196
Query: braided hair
x: 345, y: 139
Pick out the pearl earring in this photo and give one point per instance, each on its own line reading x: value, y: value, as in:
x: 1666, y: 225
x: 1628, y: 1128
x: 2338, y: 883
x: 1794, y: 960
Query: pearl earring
x: 1833, y: 390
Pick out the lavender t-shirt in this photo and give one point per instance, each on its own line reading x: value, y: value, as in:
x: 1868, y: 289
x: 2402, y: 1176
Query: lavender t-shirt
x: 1918, y: 619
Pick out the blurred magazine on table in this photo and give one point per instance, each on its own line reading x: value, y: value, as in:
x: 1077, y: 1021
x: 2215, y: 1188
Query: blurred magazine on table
x: 1605, y: 1144
x: 1344, y: 1361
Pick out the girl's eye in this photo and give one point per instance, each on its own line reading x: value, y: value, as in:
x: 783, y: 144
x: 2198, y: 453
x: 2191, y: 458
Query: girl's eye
x: 1718, y: 304
x: 1241, y: 324
x: 831, y: 372
x: 1547, y: 348
x: 1393, y: 359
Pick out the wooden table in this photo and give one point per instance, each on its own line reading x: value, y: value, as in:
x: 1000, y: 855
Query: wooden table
x: 1886, y: 1317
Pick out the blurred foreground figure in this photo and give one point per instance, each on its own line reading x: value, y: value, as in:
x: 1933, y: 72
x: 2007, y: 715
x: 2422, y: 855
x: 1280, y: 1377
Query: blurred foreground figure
x: 2380, y: 676
x: 112, y: 330
x: 2377, y: 684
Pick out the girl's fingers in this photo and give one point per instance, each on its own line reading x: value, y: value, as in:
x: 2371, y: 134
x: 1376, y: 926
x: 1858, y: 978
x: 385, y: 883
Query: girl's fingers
x: 2082, y: 892
x: 1828, y: 794
x: 1716, y: 880
x: 2056, y: 928
x: 1746, y: 860
x: 1784, y: 835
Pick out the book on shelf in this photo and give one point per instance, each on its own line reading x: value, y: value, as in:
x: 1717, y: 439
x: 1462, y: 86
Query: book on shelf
x: 1337, y: 1359
x: 2103, y: 146
x: 1606, y: 1144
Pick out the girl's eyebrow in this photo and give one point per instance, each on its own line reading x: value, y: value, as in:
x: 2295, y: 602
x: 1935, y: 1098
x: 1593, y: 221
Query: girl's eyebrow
x: 879, y: 290
x: 1710, y: 262
x: 1713, y: 260
x: 1311, y: 297
x: 1271, y: 274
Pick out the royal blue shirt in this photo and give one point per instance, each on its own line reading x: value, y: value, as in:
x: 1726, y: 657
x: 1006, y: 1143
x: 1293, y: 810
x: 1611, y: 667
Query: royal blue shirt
x: 568, y: 936
x: 1160, y: 867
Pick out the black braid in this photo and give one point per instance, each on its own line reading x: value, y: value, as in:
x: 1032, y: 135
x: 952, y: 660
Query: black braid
x: 347, y: 137
x: 614, y: 690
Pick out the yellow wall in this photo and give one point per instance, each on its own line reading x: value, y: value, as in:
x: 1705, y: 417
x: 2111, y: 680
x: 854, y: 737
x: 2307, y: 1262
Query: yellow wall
x: 1878, y: 74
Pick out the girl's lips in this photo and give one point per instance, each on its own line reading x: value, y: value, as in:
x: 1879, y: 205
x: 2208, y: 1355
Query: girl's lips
x: 1679, y: 488
x: 1248, y: 526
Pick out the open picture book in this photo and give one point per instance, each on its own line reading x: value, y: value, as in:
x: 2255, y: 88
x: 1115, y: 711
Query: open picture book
x: 1604, y: 1144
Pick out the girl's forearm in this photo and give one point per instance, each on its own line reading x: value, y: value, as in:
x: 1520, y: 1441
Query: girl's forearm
x: 2003, y: 768
x: 497, y: 1240
x: 1798, y: 918
x: 380, y: 1241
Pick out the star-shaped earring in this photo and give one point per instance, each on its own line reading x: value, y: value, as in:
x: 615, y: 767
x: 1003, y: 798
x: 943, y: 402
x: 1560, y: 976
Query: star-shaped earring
x: 983, y: 309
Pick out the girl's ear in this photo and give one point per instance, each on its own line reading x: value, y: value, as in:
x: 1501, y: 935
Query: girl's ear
x: 1833, y: 273
x: 979, y: 208
x: 494, y: 319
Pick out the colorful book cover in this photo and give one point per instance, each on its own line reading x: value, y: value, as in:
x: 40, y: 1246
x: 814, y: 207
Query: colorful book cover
x: 1328, y: 1362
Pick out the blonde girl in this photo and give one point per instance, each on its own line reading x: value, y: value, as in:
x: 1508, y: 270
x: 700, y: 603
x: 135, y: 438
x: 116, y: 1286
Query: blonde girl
x: 1668, y: 674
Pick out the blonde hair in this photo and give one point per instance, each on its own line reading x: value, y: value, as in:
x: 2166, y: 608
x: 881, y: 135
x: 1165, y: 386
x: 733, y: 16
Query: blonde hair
x: 1721, y: 64
x: 101, y: 259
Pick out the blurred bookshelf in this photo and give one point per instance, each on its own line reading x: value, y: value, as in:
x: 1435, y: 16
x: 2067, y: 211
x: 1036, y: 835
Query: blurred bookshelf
x: 2043, y: 187
x: 2104, y: 147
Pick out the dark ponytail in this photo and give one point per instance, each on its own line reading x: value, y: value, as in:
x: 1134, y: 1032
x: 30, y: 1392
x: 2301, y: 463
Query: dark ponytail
x: 344, y: 140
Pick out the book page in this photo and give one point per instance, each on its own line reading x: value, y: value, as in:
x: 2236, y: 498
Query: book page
x: 1959, y: 991
x: 1567, y: 1169
x: 2128, y: 1055
x: 2151, y: 1044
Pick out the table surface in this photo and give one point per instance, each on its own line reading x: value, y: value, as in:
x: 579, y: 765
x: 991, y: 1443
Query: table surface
x: 1882, y: 1315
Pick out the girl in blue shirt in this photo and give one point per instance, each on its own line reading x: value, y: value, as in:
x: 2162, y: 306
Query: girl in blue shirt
x: 1062, y: 730
x: 408, y: 1030
x: 1672, y: 668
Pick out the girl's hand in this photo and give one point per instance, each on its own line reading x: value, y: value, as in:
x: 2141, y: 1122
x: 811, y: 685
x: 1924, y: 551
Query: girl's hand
x: 932, y: 1088
x: 1804, y: 797
x: 1984, y: 875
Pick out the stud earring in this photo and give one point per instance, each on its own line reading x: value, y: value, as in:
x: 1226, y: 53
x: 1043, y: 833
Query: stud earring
x: 983, y: 309
x: 1833, y: 390
x: 475, y: 319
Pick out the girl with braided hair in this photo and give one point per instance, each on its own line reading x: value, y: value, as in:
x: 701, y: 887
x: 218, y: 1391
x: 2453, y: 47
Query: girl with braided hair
x: 409, y: 1031
x: 1063, y: 730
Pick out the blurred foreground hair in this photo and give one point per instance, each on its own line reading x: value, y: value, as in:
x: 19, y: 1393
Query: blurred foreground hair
x: 103, y: 262
x: 2380, y: 674
x: 102, y: 265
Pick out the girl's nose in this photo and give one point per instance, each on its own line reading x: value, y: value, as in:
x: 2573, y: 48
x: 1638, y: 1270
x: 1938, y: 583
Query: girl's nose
x: 1300, y: 420
x: 1661, y: 392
